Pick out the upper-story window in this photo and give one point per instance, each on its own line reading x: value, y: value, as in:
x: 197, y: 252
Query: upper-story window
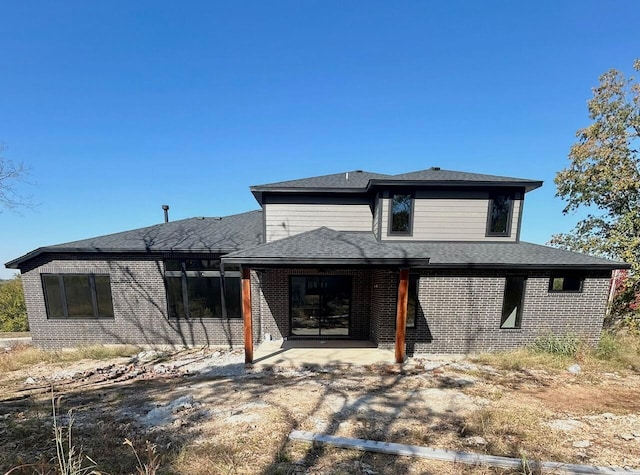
x: 500, y: 212
x: 401, y: 214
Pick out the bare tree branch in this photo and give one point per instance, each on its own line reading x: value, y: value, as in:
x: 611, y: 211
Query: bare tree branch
x: 12, y: 174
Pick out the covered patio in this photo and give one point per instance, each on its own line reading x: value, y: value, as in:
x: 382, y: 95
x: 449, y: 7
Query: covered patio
x: 369, y: 281
x: 320, y: 353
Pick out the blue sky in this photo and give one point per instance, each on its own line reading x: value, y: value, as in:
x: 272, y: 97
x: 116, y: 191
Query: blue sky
x: 118, y: 107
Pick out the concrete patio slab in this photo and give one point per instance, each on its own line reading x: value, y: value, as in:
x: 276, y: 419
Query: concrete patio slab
x: 322, y: 353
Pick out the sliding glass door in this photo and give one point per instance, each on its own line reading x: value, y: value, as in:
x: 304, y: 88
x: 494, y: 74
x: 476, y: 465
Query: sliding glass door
x: 320, y: 305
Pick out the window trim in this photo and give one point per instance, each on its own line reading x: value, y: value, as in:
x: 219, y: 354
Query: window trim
x: 518, y: 323
x: 551, y: 290
x: 507, y: 233
x: 63, y: 296
x: 390, y: 231
x: 184, y: 276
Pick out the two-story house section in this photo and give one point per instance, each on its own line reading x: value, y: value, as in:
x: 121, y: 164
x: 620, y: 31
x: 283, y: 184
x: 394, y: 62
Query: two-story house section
x: 428, y: 261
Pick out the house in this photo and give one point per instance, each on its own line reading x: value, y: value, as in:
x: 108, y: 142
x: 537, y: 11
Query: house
x: 429, y: 261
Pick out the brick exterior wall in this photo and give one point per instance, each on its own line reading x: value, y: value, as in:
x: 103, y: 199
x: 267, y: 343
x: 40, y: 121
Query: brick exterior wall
x: 384, y: 295
x: 139, y: 305
x: 458, y: 311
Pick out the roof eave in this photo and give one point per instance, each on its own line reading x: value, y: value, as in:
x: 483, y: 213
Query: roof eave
x: 527, y: 185
x: 258, y: 191
x: 584, y: 267
x: 17, y: 263
x: 320, y: 261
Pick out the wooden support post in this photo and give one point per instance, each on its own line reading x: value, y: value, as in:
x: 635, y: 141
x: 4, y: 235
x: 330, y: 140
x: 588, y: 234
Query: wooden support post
x: 401, y: 315
x: 246, y: 315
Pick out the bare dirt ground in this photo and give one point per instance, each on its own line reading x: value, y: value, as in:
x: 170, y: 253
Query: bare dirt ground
x: 208, y: 414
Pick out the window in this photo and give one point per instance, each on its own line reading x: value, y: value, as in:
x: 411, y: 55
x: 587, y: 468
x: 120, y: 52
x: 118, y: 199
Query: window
x: 412, y: 301
x: 566, y: 283
x: 197, y: 289
x: 400, y: 214
x: 513, y: 302
x: 77, y: 296
x: 499, y: 218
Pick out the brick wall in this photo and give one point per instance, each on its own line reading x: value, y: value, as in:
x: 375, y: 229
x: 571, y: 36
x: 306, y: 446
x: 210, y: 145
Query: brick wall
x: 384, y: 294
x: 460, y: 312
x: 139, y: 305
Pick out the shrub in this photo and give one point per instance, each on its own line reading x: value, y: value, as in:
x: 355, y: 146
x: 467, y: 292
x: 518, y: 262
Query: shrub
x: 13, y: 311
x: 608, y: 347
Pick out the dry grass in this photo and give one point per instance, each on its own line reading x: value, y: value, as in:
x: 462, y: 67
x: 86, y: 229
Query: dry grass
x: 613, y: 353
x: 14, y: 334
x: 517, y: 360
x: 513, y: 430
x: 245, y: 422
x: 23, y: 356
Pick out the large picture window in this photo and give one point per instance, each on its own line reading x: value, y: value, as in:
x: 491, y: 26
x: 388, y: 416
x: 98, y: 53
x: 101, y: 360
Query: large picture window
x: 401, y: 213
x: 513, y: 302
x: 77, y: 295
x: 197, y: 289
x: 500, y: 212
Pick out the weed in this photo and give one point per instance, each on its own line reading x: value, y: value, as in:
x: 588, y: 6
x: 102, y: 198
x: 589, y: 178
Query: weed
x: 608, y: 347
x: 564, y: 345
x: 152, y: 458
x: 70, y: 461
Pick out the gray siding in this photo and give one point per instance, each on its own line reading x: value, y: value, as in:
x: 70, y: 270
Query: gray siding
x: 450, y: 217
x: 288, y: 219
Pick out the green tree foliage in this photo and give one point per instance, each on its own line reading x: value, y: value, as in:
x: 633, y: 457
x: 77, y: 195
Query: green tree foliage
x: 603, y: 176
x: 13, y: 311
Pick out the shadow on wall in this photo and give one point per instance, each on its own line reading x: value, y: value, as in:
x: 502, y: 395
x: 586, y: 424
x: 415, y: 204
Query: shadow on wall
x: 140, y: 296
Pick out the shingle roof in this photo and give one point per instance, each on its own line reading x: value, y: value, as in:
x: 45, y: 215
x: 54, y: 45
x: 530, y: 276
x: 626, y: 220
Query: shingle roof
x: 327, y: 246
x: 350, y: 179
x: 216, y: 235
x: 437, y: 174
x: 362, y: 181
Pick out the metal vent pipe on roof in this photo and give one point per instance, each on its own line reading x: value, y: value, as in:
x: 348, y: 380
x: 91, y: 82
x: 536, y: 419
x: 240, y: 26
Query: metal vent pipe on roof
x: 166, y: 213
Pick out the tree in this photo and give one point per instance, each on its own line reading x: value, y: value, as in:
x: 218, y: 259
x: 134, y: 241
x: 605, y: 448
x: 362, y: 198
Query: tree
x: 603, y: 176
x: 13, y: 311
x: 10, y: 174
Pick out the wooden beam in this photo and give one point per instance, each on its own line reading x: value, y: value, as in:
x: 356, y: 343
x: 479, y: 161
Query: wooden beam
x: 246, y: 315
x: 401, y: 315
x: 452, y: 455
